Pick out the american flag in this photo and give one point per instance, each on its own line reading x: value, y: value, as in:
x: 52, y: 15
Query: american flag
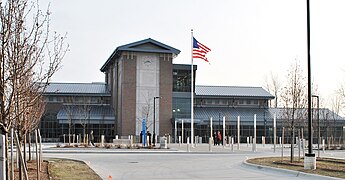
x: 200, y: 50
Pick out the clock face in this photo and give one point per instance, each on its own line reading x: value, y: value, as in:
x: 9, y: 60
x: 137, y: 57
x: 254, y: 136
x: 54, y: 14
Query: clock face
x: 147, y: 62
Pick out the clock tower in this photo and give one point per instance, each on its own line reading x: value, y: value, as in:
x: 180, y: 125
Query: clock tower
x: 139, y: 77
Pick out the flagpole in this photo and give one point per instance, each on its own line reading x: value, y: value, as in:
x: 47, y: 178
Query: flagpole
x: 192, y: 95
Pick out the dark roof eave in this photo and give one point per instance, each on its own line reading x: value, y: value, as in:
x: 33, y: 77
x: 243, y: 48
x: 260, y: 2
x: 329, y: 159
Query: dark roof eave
x: 77, y: 94
x: 126, y: 47
x: 148, y: 50
x: 107, y: 63
x: 224, y: 96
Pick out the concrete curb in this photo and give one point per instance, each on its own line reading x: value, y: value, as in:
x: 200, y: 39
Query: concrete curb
x: 137, y: 152
x: 287, y: 171
x: 70, y: 159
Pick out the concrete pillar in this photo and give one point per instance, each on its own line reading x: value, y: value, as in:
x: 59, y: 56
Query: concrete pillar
x: 102, y: 140
x: 175, y: 135
x: 238, y: 133
x: 224, y: 142
x: 310, y: 161
x: 211, y: 128
x: 274, y: 132
x: 254, y: 139
x: 210, y: 144
x: 182, y: 130
x: 232, y: 144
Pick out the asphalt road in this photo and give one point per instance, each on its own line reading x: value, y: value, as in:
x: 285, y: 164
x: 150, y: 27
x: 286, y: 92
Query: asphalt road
x: 178, y: 164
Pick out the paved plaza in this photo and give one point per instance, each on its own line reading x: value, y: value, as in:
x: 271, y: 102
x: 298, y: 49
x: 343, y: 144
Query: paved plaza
x: 177, y: 163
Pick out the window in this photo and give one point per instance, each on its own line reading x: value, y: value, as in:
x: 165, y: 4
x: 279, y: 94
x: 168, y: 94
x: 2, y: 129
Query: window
x: 181, y: 81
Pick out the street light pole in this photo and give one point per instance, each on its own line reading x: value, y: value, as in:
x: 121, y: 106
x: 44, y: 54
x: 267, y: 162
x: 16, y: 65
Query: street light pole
x: 309, y: 160
x: 154, y: 120
x: 318, y: 122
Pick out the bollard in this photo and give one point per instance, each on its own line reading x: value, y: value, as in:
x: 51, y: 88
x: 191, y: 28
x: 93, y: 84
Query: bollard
x: 303, y: 146
x: 247, y: 141
x: 323, y: 145
x: 102, y: 140
x: 117, y: 137
x: 280, y: 141
x: 263, y: 141
x: 188, y: 147
x: 232, y: 144
x: 196, y: 139
x: 254, y: 145
x: 179, y: 140
x: 210, y: 144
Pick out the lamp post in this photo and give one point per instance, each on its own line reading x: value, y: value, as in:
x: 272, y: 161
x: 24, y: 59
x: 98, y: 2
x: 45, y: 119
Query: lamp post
x: 154, y: 119
x: 175, y: 116
x: 309, y: 159
x: 318, y: 124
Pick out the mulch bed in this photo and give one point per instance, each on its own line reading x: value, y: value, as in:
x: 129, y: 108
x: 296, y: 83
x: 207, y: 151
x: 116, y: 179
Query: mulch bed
x: 32, y: 170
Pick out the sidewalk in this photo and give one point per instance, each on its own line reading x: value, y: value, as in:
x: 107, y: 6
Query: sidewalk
x: 172, y: 154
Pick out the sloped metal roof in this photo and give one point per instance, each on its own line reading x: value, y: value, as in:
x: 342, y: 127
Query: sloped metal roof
x: 232, y: 91
x: 202, y: 116
x: 93, y: 114
x: 137, y: 47
x: 97, y: 89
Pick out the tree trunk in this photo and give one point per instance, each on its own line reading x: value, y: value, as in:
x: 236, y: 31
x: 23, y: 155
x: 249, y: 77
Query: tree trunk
x: 24, y: 147
x: 84, y: 139
x: 29, y: 138
x: 292, y: 143
x: 69, y: 136
x: 7, y: 159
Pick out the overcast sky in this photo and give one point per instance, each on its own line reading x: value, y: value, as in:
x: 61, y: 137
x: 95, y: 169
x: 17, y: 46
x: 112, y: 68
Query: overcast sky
x: 249, y: 38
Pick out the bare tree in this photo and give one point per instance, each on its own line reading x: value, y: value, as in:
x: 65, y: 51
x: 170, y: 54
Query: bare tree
x: 70, y: 109
x: 336, y: 105
x: 273, y: 85
x: 294, y: 101
x: 29, y: 56
x: 146, y: 110
x: 85, y: 113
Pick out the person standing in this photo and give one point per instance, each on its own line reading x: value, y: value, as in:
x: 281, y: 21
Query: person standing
x: 219, y: 138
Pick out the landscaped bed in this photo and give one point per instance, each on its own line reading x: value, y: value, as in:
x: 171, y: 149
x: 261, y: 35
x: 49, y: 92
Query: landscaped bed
x: 324, y: 166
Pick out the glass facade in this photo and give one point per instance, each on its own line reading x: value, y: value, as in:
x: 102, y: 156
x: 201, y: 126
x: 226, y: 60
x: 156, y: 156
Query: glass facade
x: 181, y: 107
x: 181, y: 80
x: 49, y: 127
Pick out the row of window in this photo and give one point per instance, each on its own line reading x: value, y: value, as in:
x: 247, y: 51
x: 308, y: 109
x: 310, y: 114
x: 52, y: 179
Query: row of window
x: 230, y: 102
x: 89, y: 100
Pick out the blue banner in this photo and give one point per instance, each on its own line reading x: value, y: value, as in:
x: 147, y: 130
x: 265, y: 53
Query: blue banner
x: 144, y: 132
